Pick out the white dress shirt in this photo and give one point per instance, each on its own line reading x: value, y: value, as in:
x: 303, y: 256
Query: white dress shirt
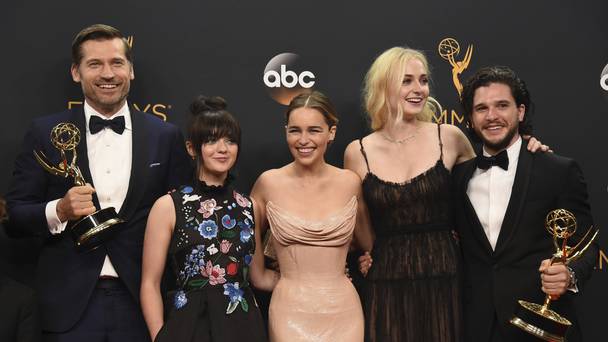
x: 110, y: 156
x: 490, y: 191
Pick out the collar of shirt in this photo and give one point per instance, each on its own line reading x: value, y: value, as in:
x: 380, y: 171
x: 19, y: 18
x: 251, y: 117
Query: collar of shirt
x: 123, y: 111
x: 512, y: 152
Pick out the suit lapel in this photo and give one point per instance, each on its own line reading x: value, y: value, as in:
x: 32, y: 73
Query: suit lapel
x: 82, y: 156
x: 139, y: 165
x: 517, y: 200
x: 473, y: 219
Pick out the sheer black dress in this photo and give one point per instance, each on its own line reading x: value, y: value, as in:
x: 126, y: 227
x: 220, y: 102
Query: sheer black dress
x: 210, y: 252
x: 412, y: 292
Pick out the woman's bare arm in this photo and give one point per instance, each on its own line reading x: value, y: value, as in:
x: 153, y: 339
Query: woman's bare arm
x: 159, y: 229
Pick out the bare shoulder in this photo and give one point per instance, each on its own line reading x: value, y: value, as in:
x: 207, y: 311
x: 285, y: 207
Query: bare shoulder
x: 353, y: 148
x: 165, y: 202
x: 346, y: 180
x: 353, y: 156
x: 266, y: 181
x: 457, y: 146
x: 162, y: 214
x: 452, y: 132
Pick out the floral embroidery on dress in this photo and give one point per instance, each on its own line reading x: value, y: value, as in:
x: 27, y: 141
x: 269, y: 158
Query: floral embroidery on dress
x: 193, y: 263
x: 225, y: 246
x: 208, y: 207
x: 214, y: 273
x: 214, y: 243
x: 180, y: 299
x: 241, y: 200
x: 208, y: 229
x: 235, y: 294
x: 228, y: 222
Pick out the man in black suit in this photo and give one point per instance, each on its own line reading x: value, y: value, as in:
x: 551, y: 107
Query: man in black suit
x: 128, y: 160
x: 19, y: 319
x: 501, y: 200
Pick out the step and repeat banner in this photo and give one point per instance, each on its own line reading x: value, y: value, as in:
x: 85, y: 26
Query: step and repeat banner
x: 256, y: 53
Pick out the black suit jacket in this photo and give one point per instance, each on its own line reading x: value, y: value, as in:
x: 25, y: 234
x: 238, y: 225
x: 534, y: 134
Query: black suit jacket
x: 66, y: 278
x: 495, y: 280
x: 19, y: 320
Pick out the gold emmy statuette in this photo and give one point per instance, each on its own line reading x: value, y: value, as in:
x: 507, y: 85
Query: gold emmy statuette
x: 448, y: 48
x: 539, y: 320
x: 92, y: 230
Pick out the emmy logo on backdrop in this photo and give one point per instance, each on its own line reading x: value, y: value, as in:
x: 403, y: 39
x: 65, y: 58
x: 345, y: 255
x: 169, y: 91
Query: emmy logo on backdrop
x: 90, y: 231
x: 448, y: 49
x: 130, y: 40
x: 539, y: 320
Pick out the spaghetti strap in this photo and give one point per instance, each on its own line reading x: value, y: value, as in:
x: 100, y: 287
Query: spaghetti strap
x: 364, y: 154
x: 440, y: 142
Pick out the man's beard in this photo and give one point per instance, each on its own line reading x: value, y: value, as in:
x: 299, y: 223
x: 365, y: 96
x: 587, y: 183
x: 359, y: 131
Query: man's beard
x: 503, y: 143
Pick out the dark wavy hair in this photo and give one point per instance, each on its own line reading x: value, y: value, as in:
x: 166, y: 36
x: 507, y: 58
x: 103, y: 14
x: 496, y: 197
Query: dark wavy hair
x: 97, y: 32
x: 209, y: 120
x: 497, y: 74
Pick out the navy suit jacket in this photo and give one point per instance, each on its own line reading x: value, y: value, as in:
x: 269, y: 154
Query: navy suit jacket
x: 65, y: 277
x: 18, y: 313
x: 495, y: 279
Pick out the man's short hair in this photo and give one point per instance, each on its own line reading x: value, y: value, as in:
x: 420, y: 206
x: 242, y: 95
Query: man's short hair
x: 497, y: 74
x: 97, y: 32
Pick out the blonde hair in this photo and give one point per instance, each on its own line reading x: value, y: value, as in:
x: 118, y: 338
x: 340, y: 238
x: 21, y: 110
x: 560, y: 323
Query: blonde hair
x: 386, y: 75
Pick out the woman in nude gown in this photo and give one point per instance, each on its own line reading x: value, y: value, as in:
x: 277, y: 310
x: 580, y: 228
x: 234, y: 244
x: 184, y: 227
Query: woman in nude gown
x: 312, y: 210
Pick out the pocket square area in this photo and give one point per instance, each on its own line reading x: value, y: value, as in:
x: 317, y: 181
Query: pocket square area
x: 154, y: 164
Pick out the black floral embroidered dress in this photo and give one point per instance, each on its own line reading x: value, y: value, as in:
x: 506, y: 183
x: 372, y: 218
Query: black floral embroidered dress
x: 210, y: 252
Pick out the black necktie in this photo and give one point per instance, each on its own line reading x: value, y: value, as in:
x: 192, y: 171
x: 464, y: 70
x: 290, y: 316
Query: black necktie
x: 96, y: 124
x: 501, y: 160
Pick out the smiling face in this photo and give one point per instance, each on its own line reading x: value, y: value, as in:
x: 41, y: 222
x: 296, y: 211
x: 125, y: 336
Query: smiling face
x: 413, y: 90
x: 308, y: 135
x: 105, y: 74
x: 217, y: 157
x: 495, y: 116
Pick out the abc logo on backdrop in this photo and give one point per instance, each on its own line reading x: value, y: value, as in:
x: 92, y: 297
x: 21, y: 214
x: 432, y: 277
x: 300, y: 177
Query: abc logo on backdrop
x: 286, y: 76
x: 604, y: 81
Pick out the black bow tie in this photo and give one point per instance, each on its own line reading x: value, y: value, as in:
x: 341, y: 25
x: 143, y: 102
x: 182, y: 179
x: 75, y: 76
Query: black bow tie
x: 117, y: 124
x: 501, y: 160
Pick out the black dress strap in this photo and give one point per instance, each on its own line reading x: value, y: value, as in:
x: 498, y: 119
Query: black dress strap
x: 440, y: 142
x: 363, y: 153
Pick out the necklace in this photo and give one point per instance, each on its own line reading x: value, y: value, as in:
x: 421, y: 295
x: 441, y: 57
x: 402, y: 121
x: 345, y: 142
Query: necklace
x: 400, y: 141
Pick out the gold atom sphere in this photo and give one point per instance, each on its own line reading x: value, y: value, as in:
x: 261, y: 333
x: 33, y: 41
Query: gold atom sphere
x: 448, y: 47
x: 560, y: 223
x: 65, y: 136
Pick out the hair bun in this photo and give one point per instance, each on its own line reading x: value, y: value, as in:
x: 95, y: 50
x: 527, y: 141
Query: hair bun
x: 204, y: 104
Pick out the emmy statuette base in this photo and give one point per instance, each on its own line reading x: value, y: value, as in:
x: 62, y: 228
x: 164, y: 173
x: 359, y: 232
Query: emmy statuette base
x: 545, y: 324
x: 93, y: 230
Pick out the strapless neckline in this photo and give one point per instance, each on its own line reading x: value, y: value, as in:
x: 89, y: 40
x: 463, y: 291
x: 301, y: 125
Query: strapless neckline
x: 336, y: 215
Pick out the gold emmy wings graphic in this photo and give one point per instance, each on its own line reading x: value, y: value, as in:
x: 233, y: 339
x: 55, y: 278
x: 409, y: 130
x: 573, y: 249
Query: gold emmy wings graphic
x: 448, y: 48
x: 90, y: 231
x: 539, y: 320
x: 130, y: 41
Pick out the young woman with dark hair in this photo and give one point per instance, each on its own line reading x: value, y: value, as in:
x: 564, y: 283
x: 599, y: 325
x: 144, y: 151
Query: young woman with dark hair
x: 205, y: 230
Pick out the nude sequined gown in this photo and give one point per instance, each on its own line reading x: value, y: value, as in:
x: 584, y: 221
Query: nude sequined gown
x: 314, y: 300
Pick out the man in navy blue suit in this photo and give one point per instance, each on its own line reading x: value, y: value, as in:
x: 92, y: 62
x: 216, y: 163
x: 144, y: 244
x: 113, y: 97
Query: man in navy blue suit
x: 128, y: 160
